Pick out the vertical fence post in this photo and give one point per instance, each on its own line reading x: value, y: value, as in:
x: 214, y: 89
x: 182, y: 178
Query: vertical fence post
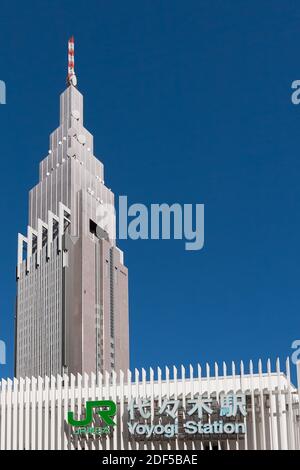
x: 152, y: 398
x: 281, y: 409
x: 3, y: 415
x: 33, y: 413
x: 243, y: 388
x: 114, y: 398
x: 122, y: 411
x: 290, y: 414
x: 59, y: 422
x: 27, y: 413
x: 129, y: 398
x: 298, y: 389
x: 65, y: 425
x: 262, y: 430
x: 15, y: 414
x: 46, y: 418
x: 253, y: 407
x: 52, y: 413
x: 8, y: 414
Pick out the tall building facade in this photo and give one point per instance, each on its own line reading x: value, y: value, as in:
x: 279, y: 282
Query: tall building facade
x: 72, y: 285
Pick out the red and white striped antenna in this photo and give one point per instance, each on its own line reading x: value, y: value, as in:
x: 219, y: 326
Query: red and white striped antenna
x: 71, y: 80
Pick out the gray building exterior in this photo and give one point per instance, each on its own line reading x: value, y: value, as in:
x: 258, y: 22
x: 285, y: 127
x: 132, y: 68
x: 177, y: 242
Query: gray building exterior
x: 72, y: 285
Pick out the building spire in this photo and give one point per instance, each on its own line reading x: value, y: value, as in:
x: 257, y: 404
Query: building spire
x: 71, y: 79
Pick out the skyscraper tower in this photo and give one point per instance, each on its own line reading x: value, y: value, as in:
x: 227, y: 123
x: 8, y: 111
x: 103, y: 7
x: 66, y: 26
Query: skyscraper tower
x: 72, y: 285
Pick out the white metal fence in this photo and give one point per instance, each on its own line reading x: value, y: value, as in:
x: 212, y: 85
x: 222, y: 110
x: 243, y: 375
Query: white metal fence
x: 33, y: 412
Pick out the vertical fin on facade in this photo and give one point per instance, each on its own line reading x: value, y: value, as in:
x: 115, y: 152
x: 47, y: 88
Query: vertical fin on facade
x: 35, y: 239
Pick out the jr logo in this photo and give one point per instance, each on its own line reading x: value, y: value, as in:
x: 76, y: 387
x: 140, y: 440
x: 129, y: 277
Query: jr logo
x: 106, y: 414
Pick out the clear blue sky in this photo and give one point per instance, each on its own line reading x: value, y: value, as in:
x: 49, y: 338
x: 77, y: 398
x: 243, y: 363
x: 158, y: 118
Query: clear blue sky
x: 189, y: 102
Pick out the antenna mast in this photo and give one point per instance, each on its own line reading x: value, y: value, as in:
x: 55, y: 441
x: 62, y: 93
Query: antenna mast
x: 71, y: 79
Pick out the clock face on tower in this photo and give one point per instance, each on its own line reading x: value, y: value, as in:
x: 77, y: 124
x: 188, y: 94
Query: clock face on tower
x: 81, y: 139
x: 75, y: 114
